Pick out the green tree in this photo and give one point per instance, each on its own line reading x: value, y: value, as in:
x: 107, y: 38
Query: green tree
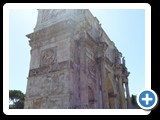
x: 16, y: 99
x: 133, y: 99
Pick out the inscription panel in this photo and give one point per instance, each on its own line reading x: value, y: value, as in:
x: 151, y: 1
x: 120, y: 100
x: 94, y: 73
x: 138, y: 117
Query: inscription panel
x: 48, y: 14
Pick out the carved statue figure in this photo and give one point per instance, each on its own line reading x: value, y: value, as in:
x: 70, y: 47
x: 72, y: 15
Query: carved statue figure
x: 123, y: 61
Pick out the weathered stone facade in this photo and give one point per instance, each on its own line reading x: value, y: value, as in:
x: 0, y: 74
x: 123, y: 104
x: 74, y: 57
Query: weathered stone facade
x: 74, y: 64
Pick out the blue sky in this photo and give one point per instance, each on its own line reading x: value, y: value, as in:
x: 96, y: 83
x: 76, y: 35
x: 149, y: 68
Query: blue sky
x: 126, y: 28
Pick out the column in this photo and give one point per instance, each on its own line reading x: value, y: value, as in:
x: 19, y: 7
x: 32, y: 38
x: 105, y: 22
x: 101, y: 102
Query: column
x: 105, y: 101
x: 82, y: 74
x: 128, y: 94
x: 99, y: 82
x: 121, y: 93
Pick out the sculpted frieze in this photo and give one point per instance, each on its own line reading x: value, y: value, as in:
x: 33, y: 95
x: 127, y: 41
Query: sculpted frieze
x: 49, y: 68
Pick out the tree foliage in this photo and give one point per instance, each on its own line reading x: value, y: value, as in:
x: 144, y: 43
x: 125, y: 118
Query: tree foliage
x: 133, y: 99
x: 16, y: 99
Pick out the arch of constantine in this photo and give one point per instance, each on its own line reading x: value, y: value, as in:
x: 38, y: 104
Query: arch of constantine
x: 74, y: 64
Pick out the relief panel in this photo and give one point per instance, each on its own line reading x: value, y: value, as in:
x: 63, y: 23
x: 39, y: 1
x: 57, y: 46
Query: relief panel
x: 48, y: 56
x: 91, y: 68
